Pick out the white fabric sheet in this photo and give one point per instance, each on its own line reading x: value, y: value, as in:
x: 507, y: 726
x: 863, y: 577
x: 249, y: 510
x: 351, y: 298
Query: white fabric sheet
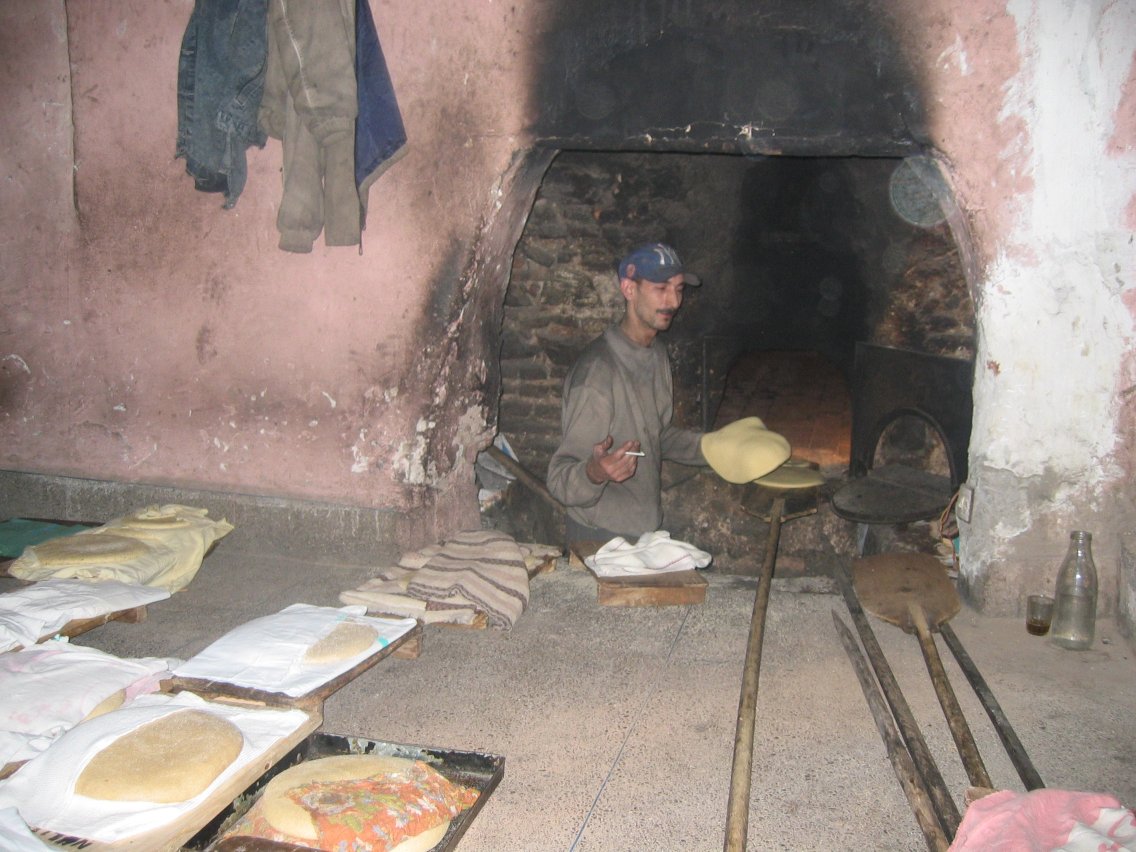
x: 33, y: 612
x: 268, y: 653
x: 653, y: 553
x: 47, y: 689
x: 15, y: 836
x: 42, y: 790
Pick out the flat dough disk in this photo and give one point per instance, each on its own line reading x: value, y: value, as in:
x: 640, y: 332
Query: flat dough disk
x: 84, y: 548
x: 286, y: 816
x: 347, y: 640
x: 425, y: 841
x: 112, y: 702
x: 171, y: 759
x: 790, y: 476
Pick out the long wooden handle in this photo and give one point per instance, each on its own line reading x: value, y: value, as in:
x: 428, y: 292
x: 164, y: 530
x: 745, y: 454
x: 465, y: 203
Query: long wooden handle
x: 956, y: 721
x: 737, y: 808
x: 530, y: 481
x: 945, y: 807
x: 901, y: 762
x: 1014, y: 748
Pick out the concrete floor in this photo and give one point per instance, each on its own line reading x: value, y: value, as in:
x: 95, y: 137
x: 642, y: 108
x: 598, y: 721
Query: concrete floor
x: 617, y: 724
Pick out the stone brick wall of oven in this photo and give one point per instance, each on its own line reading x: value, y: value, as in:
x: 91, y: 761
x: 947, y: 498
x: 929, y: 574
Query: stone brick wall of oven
x: 895, y: 284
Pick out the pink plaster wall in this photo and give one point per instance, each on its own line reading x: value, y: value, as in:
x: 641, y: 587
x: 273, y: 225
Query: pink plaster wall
x: 967, y: 55
x: 151, y: 336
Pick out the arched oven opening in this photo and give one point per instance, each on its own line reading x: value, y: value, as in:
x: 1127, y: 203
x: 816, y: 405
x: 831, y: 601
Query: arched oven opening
x: 806, y: 261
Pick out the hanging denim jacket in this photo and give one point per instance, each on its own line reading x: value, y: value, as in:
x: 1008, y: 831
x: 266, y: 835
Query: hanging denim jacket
x: 220, y: 84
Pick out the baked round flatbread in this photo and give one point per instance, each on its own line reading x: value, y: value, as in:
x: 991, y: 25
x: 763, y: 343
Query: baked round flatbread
x: 171, y: 759
x: 364, y: 802
x: 290, y: 818
x: 346, y: 640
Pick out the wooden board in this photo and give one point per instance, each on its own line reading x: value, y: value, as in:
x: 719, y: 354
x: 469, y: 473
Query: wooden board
x: 888, y: 583
x: 311, y: 701
x: 673, y: 588
x: 79, y: 626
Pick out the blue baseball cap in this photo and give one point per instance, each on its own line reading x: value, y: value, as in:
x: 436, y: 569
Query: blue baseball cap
x: 655, y: 262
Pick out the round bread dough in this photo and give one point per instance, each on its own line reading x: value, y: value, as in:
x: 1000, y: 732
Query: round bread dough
x: 85, y: 548
x: 286, y: 816
x: 171, y: 759
x: 744, y: 450
x: 347, y: 640
x: 112, y: 702
x: 425, y: 841
x: 168, y: 522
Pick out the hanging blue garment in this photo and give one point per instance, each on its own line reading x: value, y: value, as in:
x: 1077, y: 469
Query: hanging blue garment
x: 220, y: 84
x: 380, y: 136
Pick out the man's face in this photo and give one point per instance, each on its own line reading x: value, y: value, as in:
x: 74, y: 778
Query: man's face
x: 653, y: 306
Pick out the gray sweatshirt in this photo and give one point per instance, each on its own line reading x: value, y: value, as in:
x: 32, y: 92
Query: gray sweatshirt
x: 625, y: 390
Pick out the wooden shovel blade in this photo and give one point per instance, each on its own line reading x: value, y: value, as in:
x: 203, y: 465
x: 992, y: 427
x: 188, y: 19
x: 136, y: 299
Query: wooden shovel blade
x: 889, y: 585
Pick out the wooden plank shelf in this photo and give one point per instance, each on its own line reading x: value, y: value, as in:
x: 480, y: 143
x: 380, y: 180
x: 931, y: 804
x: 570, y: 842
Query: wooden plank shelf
x: 672, y: 588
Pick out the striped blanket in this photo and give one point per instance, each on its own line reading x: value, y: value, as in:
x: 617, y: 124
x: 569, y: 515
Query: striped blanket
x: 484, y: 569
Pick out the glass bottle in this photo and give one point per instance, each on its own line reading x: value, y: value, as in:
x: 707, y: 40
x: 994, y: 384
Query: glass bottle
x: 1075, y: 614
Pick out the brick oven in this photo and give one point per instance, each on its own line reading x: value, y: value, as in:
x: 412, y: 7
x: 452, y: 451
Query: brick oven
x: 802, y: 259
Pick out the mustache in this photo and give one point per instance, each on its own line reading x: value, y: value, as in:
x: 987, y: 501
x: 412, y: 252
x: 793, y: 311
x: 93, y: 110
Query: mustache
x: 667, y: 312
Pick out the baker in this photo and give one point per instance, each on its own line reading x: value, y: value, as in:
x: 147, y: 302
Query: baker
x: 617, y: 409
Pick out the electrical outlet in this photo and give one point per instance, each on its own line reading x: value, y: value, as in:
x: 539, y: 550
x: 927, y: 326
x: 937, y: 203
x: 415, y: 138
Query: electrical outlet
x: 964, y: 503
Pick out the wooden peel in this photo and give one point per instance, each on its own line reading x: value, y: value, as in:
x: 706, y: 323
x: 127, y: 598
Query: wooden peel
x: 944, y: 805
x: 912, y: 782
x: 912, y: 590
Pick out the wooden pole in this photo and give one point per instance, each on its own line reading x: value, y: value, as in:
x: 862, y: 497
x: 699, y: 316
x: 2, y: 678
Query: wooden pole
x: 526, y: 478
x: 904, y: 767
x: 956, y: 721
x: 945, y: 807
x: 737, y: 808
x: 1014, y: 748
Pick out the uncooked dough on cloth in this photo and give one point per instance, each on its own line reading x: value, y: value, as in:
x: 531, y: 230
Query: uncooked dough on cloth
x: 653, y: 553
x: 159, y: 546
x: 268, y: 653
x: 42, y: 789
x: 48, y: 689
x: 41, y: 609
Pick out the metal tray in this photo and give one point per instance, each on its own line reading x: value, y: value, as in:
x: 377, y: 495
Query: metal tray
x: 481, y: 771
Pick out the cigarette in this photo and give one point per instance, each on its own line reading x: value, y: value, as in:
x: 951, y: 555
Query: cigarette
x: 635, y: 453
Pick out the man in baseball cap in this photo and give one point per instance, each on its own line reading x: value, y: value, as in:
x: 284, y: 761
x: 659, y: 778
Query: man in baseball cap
x: 617, y: 409
x: 655, y: 262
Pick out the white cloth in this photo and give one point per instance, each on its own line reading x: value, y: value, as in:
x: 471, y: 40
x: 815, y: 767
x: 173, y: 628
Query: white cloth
x: 653, y: 553
x: 42, y: 790
x: 15, y: 836
x: 33, y: 612
x: 268, y: 653
x: 47, y: 689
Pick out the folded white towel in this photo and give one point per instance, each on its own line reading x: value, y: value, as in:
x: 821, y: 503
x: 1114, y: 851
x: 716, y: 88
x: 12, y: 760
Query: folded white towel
x: 654, y: 553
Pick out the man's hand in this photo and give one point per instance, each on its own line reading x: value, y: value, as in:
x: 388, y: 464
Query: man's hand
x: 614, y: 466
